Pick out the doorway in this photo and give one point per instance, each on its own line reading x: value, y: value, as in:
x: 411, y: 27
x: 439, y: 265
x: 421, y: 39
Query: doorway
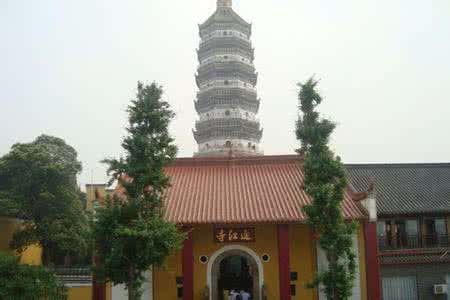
x: 234, y: 267
x: 234, y: 274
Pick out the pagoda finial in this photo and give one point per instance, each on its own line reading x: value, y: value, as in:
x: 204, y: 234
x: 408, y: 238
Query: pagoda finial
x: 224, y: 3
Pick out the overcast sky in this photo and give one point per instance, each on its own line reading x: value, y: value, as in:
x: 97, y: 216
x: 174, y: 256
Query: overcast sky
x: 69, y: 69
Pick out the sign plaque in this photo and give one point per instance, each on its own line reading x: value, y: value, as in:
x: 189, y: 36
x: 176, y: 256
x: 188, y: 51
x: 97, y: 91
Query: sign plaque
x: 234, y: 235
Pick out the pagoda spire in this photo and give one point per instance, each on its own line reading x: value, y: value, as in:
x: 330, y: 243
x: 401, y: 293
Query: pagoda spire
x: 224, y: 3
x: 227, y: 102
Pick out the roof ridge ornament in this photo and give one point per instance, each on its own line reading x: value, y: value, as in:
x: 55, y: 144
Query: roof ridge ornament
x: 224, y: 3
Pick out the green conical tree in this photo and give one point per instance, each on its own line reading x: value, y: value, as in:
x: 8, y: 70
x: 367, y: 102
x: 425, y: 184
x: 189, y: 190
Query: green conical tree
x: 131, y: 232
x: 325, y: 183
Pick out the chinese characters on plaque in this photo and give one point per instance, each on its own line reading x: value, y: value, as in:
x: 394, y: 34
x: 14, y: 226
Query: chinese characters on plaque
x: 232, y: 235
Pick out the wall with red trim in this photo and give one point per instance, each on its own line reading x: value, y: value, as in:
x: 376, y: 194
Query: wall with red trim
x: 302, y: 257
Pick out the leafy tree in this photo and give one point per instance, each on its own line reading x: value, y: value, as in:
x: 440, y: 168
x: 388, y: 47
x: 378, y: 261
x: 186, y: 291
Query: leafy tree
x: 130, y: 232
x: 18, y: 281
x: 325, y: 182
x: 38, y: 186
x: 83, y: 198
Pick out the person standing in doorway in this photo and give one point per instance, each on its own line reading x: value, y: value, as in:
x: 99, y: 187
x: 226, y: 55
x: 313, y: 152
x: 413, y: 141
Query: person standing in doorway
x: 233, y: 294
x: 245, y: 295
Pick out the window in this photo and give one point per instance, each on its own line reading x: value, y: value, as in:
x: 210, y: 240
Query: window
x: 265, y: 257
x: 436, y: 232
x: 440, y: 226
x: 203, y: 259
x: 383, y: 237
x: 381, y: 228
x: 225, y: 33
x: 225, y: 57
x: 399, y: 288
x: 227, y: 113
x: 226, y: 82
x: 448, y: 284
x: 411, y: 227
x: 412, y: 233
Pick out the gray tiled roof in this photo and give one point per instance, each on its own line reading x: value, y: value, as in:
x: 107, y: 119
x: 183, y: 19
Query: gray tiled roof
x: 438, y: 257
x: 73, y: 276
x: 227, y: 15
x: 405, y: 188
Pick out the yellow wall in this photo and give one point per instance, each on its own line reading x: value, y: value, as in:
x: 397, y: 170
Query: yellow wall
x: 108, y: 291
x: 90, y: 193
x: 80, y: 293
x: 302, y: 261
x: 164, y: 278
x: 31, y: 255
x: 85, y: 292
x: 266, y: 243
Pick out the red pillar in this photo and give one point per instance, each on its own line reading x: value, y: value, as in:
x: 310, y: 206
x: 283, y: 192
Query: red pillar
x: 373, y: 265
x: 188, y: 266
x: 283, y: 261
x: 98, y: 289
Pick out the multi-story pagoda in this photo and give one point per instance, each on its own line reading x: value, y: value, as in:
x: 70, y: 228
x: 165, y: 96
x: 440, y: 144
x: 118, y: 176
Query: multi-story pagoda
x: 227, y: 102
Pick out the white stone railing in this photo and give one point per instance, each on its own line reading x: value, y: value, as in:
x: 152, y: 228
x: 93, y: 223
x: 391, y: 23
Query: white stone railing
x: 220, y: 145
x: 226, y: 150
x: 230, y: 83
x: 226, y: 58
x: 224, y: 34
x: 228, y: 113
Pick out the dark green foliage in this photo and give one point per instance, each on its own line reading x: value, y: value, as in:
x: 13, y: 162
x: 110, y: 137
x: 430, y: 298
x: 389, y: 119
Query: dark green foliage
x: 38, y: 186
x: 83, y: 199
x: 325, y: 183
x: 131, y: 234
x: 25, y: 282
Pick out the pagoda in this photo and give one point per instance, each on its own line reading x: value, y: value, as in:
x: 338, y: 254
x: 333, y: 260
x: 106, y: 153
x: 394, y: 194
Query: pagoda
x: 227, y: 102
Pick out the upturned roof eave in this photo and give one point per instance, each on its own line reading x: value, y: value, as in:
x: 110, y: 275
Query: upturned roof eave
x: 234, y: 17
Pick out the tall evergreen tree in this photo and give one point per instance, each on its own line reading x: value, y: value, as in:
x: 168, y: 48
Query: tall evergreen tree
x: 325, y: 183
x: 130, y: 232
